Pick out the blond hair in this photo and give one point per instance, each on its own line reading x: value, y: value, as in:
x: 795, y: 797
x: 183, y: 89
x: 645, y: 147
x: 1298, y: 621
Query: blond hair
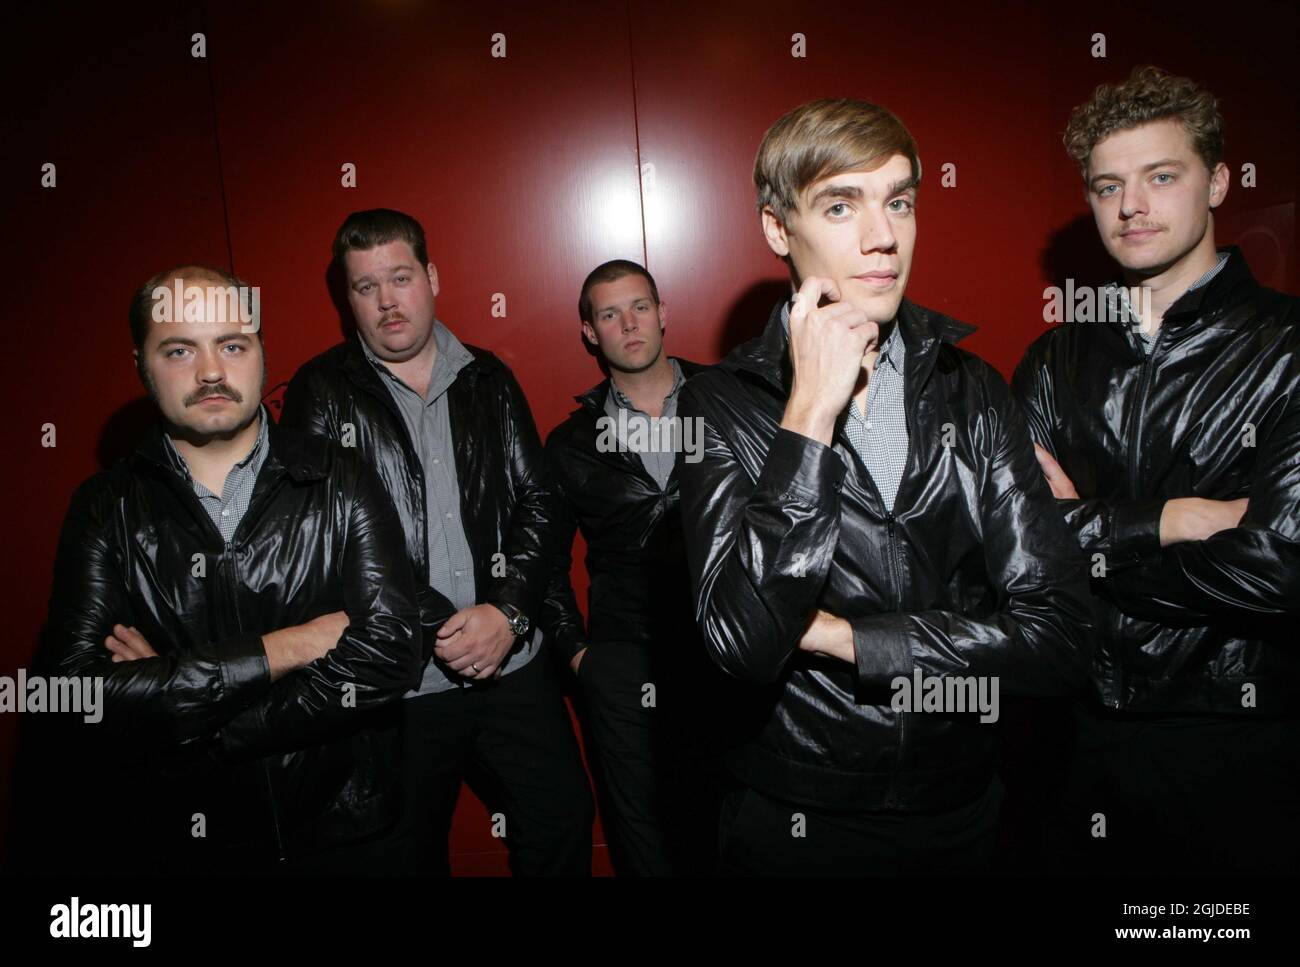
x: 824, y: 138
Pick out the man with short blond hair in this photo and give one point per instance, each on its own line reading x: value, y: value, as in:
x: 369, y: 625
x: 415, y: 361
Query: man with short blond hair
x: 867, y: 529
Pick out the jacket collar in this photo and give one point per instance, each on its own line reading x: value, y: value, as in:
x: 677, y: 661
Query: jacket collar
x: 923, y: 330
x: 303, y: 458
x: 594, y: 398
x: 362, y: 372
x: 1233, y: 282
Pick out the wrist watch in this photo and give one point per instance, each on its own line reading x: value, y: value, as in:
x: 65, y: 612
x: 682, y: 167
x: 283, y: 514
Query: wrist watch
x: 518, y: 620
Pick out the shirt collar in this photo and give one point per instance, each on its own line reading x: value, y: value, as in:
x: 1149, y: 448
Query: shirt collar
x: 451, y: 351
x: 892, y: 351
x: 621, y: 399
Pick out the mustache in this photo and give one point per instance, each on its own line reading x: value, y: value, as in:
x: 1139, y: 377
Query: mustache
x: 221, y: 389
x: 393, y: 317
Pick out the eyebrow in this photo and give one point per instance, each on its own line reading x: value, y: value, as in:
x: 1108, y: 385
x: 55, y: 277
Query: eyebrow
x: 389, y: 271
x: 1162, y: 163
x: 853, y: 193
x: 632, y: 302
x: 186, y: 341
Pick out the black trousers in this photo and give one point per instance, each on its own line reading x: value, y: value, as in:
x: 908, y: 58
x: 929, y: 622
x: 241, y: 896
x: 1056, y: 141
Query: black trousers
x: 762, y: 836
x: 658, y: 790
x: 1179, y: 795
x: 514, y: 742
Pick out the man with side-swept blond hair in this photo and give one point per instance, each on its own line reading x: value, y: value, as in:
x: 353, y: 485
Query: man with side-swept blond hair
x: 871, y: 544
x: 1171, y: 438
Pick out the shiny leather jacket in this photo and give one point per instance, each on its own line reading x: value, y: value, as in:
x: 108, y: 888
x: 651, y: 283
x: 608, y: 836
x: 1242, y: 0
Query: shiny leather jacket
x: 973, y: 574
x: 639, y: 591
x: 1215, y: 413
x: 275, y: 768
x: 506, y: 497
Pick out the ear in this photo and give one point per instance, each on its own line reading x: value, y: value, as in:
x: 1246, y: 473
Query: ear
x: 433, y: 278
x: 1219, y: 181
x: 590, y: 334
x: 663, y: 315
x: 775, y: 233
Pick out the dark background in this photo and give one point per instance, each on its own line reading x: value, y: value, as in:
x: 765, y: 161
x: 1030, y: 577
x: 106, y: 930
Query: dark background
x: 524, y: 171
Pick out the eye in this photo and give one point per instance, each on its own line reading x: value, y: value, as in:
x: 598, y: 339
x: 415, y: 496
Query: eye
x: 1105, y: 190
x: 906, y: 204
x: 171, y: 353
x: 235, y: 346
x: 833, y: 213
x: 402, y: 278
x: 1164, y: 174
x: 363, y: 288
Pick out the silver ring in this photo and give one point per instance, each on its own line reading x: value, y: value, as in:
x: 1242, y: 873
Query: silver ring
x: 473, y: 666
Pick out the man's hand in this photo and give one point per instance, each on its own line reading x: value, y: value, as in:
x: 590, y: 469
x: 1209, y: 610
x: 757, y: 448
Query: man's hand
x: 576, y: 660
x: 828, y: 635
x: 289, y: 649
x: 1062, y: 486
x: 1196, y: 518
x: 475, y: 641
x: 827, y: 347
x: 127, y: 644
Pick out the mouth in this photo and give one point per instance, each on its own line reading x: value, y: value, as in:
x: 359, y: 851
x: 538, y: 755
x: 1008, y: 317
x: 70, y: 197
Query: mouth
x: 634, y: 344
x: 879, y: 278
x: 1138, y: 234
x: 392, y: 323
x: 213, y: 400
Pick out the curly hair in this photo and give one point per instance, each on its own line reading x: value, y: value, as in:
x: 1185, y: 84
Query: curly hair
x: 1149, y: 94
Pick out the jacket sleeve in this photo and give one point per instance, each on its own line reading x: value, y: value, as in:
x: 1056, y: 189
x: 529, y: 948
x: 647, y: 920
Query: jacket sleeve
x: 560, y: 618
x: 1249, y: 571
x: 378, y: 658
x: 758, y: 550
x: 307, y: 408
x: 527, y: 544
x: 159, y: 703
x: 1038, y: 641
x: 1125, y: 532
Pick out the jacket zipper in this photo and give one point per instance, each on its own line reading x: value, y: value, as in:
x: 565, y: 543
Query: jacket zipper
x: 1115, y: 684
x: 266, y: 768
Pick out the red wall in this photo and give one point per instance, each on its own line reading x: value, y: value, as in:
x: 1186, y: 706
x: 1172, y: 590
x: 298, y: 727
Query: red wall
x: 524, y: 171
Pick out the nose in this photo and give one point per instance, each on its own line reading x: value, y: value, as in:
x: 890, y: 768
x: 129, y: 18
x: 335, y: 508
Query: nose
x: 1133, y: 201
x: 211, y: 367
x: 877, y: 232
x: 387, y: 297
x: 629, y: 322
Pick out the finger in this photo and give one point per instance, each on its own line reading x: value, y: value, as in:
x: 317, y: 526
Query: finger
x: 127, y: 642
x: 119, y: 650
x: 139, y: 643
x: 810, y: 294
x: 452, y: 625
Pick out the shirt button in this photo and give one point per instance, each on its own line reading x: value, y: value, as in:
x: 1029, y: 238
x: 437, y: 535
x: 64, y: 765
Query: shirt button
x: 449, y: 515
x: 457, y: 574
x: 868, y: 425
x: 435, y: 459
x: 225, y: 513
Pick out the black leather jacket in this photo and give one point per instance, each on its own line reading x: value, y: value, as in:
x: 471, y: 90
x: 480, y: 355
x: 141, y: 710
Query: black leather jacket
x: 639, y: 591
x: 1215, y: 413
x: 972, y: 574
x: 274, y: 768
x: 506, y: 497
